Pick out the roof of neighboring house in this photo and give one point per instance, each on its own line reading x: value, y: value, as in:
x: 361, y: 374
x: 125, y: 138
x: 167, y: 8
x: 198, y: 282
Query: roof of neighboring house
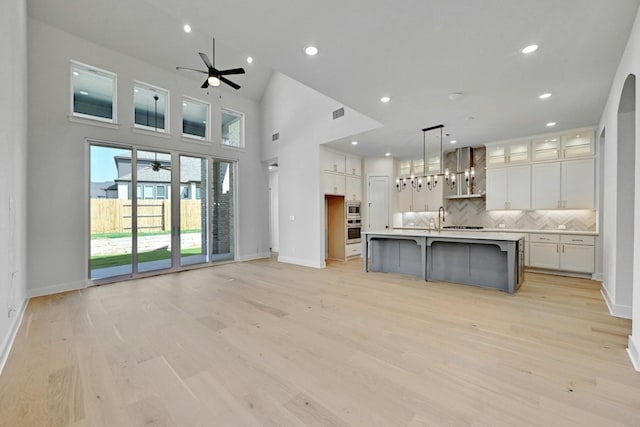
x: 190, y: 169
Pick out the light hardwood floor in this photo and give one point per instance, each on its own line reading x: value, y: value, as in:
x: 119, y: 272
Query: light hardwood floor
x: 264, y: 343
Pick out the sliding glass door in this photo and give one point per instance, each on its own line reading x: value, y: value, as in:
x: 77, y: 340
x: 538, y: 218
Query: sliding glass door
x: 150, y: 211
x: 110, y: 197
x: 153, y: 211
x: 194, y: 178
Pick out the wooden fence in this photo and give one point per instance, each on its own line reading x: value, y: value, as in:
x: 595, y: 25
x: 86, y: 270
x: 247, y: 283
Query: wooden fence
x: 114, y: 215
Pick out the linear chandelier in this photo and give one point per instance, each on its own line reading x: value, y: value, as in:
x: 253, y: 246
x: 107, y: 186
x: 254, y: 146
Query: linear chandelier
x: 431, y: 180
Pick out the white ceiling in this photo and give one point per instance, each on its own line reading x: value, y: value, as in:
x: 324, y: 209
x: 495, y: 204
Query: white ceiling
x: 416, y: 51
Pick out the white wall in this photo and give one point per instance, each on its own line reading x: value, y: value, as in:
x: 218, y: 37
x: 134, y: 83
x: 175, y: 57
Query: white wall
x: 13, y: 173
x: 274, y: 209
x: 57, y: 185
x: 630, y: 64
x: 303, y: 118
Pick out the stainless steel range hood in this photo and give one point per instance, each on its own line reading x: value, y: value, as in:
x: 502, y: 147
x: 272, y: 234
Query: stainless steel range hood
x: 465, y: 175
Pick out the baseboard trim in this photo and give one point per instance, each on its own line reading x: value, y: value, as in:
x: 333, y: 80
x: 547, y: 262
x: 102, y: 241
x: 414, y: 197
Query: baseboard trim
x: 251, y: 257
x: 11, y: 336
x: 62, y: 287
x: 616, y: 310
x: 634, y: 352
x: 558, y: 272
x: 302, y: 262
x: 597, y: 276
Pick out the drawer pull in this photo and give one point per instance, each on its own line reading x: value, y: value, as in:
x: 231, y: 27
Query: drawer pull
x: 577, y: 240
x: 544, y: 238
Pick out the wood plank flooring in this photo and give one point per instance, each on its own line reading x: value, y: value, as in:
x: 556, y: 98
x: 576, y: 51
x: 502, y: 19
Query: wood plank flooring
x: 265, y: 343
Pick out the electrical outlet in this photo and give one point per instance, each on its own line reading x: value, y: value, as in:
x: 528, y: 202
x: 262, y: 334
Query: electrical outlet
x: 562, y: 227
x: 292, y: 218
x: 502, y: 226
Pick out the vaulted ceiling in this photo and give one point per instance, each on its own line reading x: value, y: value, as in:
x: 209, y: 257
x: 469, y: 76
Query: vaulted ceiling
x: 418, y: 52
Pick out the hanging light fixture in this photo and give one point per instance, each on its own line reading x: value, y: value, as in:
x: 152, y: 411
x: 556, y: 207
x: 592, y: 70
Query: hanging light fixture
x: 431, y: 181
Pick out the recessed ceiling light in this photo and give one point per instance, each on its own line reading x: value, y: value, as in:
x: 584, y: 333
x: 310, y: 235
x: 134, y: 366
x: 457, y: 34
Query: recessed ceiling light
x: 354, y: 142
x: 84, y: 92
x: 187, y: 28
x: 75, y: 73
x: 249, y: 60
x: 135, y: 90
x: 385, y: 99
x: 311, y: 50
x: 530, y: 49
x: 270, y: 167
x: 455, y: 95
x: 453, y: 141
x: 545, y: 95
x: 550, y: 124
x: 184, y: 104
x: 387, y: 154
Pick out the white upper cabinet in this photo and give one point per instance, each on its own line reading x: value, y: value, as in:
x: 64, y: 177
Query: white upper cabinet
x: 563, y: 185
x: 333, y: 183
x: 354, y: 188
x: 545, y: 186
x: 547, y: 148
x: 578, y: 144
x: 404, y: 199
x: 508, y: 153
x: 509, y: 188
x: 519, y: 187
x: 353, y: 166
x: 333, y: 162
x: 578, y: 184
x: 496, y: 188
x: 404, y: 168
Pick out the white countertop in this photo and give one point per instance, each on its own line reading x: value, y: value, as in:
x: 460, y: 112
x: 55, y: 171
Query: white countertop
x: 453, y: 234
x: 510, y: 230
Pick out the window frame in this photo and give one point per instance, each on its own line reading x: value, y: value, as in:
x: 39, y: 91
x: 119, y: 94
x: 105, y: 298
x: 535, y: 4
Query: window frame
x: 73, y: 65
x: 207, y: 130
x: 165, y: 131
x: 239, y: 114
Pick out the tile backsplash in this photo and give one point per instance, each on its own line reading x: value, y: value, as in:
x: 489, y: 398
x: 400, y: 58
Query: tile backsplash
x: 473, y: 212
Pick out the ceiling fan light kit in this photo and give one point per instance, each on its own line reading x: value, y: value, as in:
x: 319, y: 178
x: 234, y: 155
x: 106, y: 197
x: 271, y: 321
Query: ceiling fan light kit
x: 215, y: 76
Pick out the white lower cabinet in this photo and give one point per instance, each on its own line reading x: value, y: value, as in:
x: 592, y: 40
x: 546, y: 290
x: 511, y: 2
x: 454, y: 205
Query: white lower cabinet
x: 577, y: 253
x: 565, y: 252
x: 354, y: 249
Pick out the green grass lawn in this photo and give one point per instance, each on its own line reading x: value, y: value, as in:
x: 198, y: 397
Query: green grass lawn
x: 124, y: 259
x: 142, y: 234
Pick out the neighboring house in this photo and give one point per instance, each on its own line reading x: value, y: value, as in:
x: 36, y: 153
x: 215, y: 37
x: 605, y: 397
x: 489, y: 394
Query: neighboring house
x: 104, y: 190
x: 154, y: 183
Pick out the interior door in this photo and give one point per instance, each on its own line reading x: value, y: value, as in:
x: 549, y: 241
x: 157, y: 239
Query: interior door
x: 378, y: 197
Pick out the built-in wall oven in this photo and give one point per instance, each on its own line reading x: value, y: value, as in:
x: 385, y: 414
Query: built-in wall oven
x: 353, y: 223
x: 353, y: 209
x: 353, y: 231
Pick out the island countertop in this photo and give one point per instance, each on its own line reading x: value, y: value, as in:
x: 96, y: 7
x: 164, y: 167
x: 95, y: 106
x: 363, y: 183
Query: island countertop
x: 453, y: 234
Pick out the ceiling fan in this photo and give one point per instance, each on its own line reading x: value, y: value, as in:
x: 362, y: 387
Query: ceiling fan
x: 215, y: 76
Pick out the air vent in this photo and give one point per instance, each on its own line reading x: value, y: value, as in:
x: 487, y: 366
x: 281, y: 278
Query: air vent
x: 338, y: 113
x: 275, y: 137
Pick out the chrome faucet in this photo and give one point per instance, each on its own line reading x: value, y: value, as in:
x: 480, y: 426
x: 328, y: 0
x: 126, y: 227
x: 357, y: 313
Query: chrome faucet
x: 440, y: 209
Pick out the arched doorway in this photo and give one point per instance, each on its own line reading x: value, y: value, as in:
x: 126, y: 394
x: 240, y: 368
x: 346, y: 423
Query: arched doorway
x: 625, y: 188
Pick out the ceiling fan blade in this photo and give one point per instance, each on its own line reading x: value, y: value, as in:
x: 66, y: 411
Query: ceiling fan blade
x: 205, y: 59
x: 191, y: 69
x: 230, y: 83
x: 231, y: 71
x: 205, y: 84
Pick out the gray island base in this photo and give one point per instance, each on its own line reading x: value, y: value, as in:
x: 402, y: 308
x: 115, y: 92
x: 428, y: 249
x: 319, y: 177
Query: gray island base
x: 493, y: 260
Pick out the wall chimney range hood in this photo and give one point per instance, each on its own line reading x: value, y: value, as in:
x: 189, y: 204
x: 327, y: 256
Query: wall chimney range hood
x: 465, y: 171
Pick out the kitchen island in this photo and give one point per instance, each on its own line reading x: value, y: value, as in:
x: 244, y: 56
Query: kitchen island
x: 494, y: 260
